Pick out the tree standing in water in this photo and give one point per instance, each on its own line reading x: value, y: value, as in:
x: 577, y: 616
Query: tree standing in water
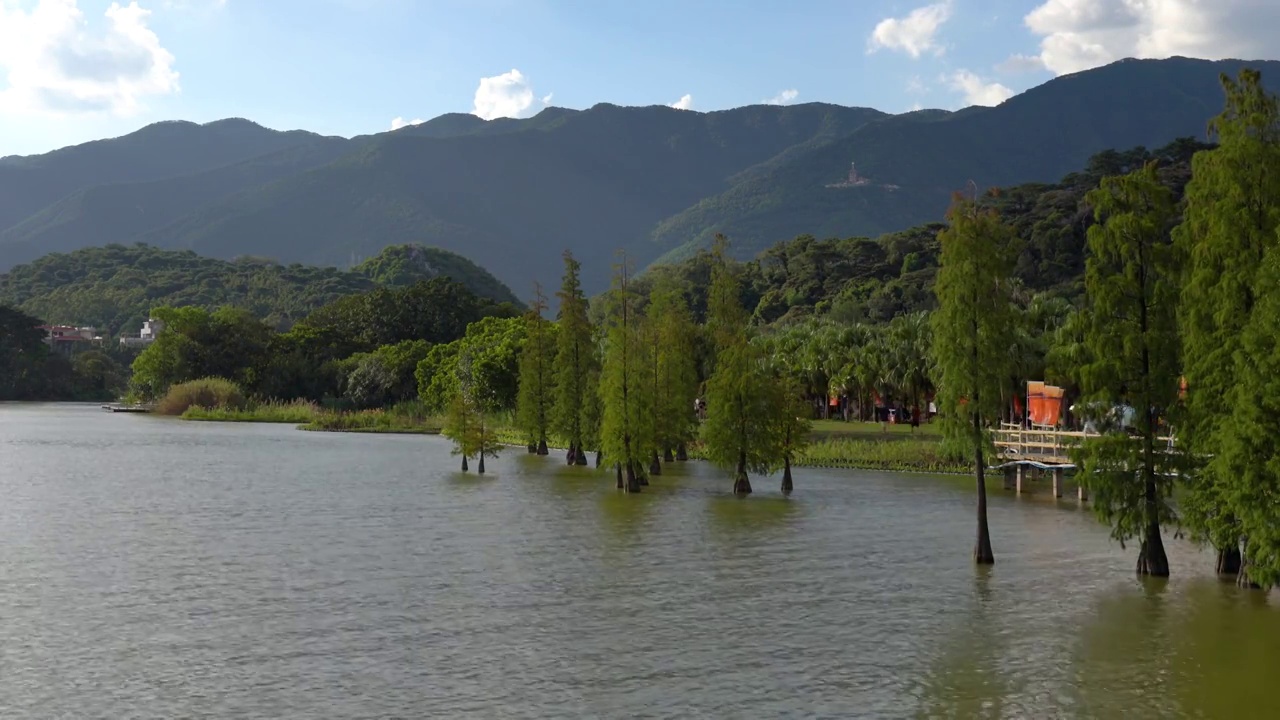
x: 1131, y: 331
x: 622, y: 387
x: 461, y: 425
x: 739, y: 432
x: 972, y: 334
x: 791, y: 415
x: 1230, y: 221
x: 534, y: 401
x: 480, y: 399
x: 676, y: 357
x: 577, y: 368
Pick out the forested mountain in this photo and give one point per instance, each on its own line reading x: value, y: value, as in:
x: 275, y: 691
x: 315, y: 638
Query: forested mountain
x: 860, y: 279
x: 116, y: 287
x: 511, y: 195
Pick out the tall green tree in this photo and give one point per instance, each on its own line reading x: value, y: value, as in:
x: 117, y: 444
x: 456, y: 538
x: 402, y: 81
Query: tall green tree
x: 577, y: 366
x: 740, y: 432
x: 1232, y: 211
x: 461, y: 425
x: 1249, y: 462
x: 534, y: 403
x: 625, y: 431
x: 482, y: 397
x: 971, y: 335
x: 676, y: 338
x: 792, y: 425
x: 1132, y: 284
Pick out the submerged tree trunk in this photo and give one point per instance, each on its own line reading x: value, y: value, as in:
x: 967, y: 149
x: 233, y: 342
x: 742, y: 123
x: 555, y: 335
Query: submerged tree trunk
x: 533, y: 449
x: 571, y: 457
x: 667, y: 455
x: 787, y: 485
x: 1242, y: 578
x: 617, y: 468
x: 682, y: 453
x: 741, y: 485
x: 655, y: 467
x: 633, y: 482
x: 1229, y: 561
x: 581, y: 458
x: 982, y: 554
x: 599, y: 458
x: 542, y: 447
x: 464, y: 463
x: 480, y: 467
x: 1151, y: 557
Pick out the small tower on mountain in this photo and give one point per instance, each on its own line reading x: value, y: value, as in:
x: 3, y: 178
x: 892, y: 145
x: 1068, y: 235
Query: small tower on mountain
x: 854, y: 178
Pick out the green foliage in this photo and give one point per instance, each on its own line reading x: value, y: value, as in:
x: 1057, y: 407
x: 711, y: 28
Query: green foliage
x: 1230, y: 223
x: 740, y: 431
x: 436, y: 376
x: 537, y: 393
x: 1131, y: 333
x: 462, y: 426
x: 114, y: 288
x: 674, y: 338
x: 385, y: 376
x: 293, y: 412
x: 227, y: 343
x: 576, y: 413
x: 210, y: 393
x: 974, y: 322
x: 627, y: 423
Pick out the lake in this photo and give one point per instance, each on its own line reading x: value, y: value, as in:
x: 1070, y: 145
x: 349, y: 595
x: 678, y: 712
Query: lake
x: 156, y: 568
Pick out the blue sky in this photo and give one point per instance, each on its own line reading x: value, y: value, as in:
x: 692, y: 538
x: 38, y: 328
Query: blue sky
x: 72, y: 71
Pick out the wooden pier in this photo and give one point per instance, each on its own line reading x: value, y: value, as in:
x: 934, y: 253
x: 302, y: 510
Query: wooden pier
x: 127, y: 408
x: 1024, y: 451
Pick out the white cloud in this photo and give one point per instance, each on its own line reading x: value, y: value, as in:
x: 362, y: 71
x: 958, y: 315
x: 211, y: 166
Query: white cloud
x: 684, y: 103
x: 1018, y: 64
x: 1081, y: 34
x: 57, y: 63
x: 913, y: 34
x: 783, y: 98
x: 916, y: 86
x: 399, y: 122
x: 506, y: 95
x: 976, y: 90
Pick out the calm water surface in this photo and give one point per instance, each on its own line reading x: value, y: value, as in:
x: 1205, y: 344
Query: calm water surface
x: 156, y: 568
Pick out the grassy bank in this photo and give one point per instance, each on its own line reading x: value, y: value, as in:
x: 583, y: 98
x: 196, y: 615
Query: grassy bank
x: 376, y: 421
x: 268, y: 412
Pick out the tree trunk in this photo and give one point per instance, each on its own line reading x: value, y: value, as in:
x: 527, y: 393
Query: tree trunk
x: 480, y: 467
x: 682, y: 453
x: 533, y: 449
x: 1242, y: 579
x: 655, y: 467
x: 581, y: 458
x: 982, y: 554
x: 599, y: 457
x: 571, y: 457
x: 633, y: 482
x: 1229, y: 561
x: 542, y: 447
x: 464, y: 463
x: 787, y: 485
x: 667, y: 455
x: 741, y: 485
x: 617, y: 467
x: 1151, y: 558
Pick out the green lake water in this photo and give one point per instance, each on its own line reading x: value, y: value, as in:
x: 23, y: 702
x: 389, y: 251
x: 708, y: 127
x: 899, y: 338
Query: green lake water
x: 156, y: 568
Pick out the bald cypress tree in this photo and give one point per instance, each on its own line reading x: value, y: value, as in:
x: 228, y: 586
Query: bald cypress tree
x: 626, y: 434
x: 1230, y: 221
x: 536, y: 394
x: 972, y: 330
x: 1131, y: 332
x: 575, y: 415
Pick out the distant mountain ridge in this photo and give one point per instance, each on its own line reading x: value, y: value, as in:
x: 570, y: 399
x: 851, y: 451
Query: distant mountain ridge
x: 511, y: 195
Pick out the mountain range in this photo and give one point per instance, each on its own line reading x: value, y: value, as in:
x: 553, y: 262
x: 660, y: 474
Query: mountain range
x: 513, y: 194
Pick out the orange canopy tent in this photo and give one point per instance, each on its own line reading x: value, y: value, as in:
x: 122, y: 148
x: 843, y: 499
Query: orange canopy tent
x: 1044, y: 403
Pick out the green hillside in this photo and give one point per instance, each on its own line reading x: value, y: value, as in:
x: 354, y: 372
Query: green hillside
x: 163, y: 150
x: 513, y: 194
x: 1037, y: 136
x: 115, y: 287
x: 591, y: 182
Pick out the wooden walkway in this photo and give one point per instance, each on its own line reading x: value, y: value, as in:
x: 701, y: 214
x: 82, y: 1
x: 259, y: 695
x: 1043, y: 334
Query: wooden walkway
x: 1046, y: 450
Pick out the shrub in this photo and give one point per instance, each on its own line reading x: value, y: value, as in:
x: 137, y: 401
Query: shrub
x: 208, y: 393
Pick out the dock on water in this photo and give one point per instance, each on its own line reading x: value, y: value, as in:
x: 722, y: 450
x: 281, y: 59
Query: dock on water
x: 118, y: 408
